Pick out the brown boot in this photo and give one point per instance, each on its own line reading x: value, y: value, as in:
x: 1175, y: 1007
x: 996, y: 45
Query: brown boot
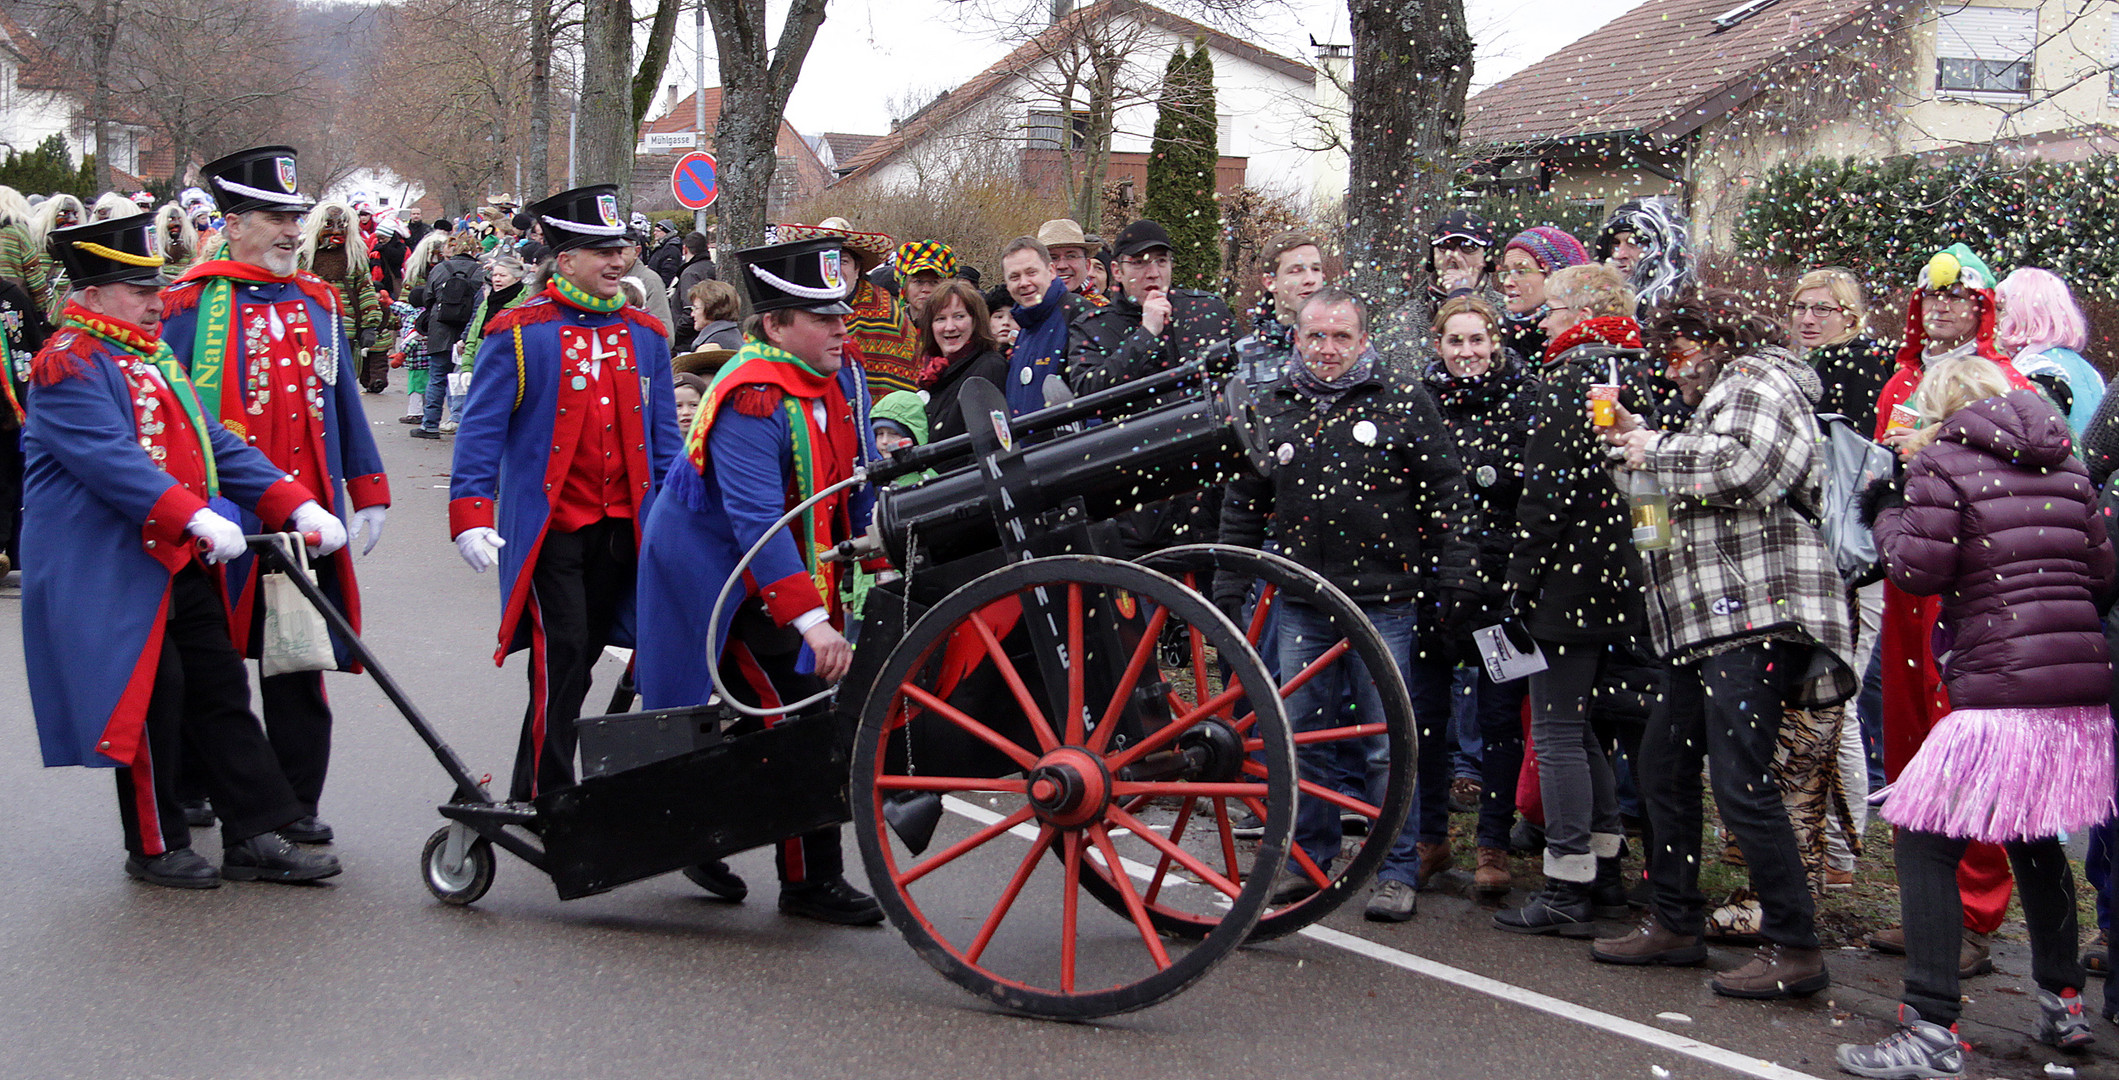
x: 1891, y: 940
x: 1650, y: 943
x: 1492, y: 878
x: 1776, y: 971
x: 1972, y: 956
x: 1434, y: 859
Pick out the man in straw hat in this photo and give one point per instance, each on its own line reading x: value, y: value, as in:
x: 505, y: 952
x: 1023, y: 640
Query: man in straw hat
x: 271, y: 351
x: 570, y: 426
x: 786, y: 405
x: 1072, y: 253
x: 125, y: 625
x: 885, y: 343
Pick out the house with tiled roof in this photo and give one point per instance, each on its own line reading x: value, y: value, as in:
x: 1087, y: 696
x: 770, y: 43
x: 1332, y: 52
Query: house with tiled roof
x: 799, y: 174
x: 42, y: 95
x: 1277, y: 124
x: 1697, y: 99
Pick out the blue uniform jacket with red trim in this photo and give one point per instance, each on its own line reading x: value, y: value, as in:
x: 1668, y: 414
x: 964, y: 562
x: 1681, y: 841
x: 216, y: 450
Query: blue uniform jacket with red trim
x: 102, y: 534
x: 518, y: 455
x: 349, y: 443
x: 688, y: 553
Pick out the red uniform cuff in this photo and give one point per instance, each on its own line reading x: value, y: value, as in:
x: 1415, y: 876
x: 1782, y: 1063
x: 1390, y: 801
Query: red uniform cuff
x: 876, y: 565
x: 367, y: 491
x: 790, y: 596
x: 279, y: 501
x: 469, y: 513
x: 162, y: 534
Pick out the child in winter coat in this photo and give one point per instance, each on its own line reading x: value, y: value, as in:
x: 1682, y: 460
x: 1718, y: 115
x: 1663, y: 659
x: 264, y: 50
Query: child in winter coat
x: 1999, y: 520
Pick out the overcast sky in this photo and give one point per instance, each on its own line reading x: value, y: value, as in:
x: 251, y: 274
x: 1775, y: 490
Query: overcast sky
x: 870, y: 53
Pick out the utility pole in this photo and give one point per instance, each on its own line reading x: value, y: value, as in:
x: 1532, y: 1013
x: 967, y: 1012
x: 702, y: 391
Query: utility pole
x: 699, y: 99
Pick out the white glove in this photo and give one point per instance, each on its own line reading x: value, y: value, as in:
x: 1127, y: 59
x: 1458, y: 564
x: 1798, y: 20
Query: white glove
x: 369, y: 519
x: 331, y: 532
x: 480, y: 547
x: 224, y: 538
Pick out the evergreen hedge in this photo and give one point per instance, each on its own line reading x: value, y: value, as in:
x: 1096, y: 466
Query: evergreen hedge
x: 1885, y: 219
x: 47, y: 170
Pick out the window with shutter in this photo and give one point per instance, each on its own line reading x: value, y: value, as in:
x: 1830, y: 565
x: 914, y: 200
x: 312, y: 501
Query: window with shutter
x: 1045, y: 129
x: 1986, y: 50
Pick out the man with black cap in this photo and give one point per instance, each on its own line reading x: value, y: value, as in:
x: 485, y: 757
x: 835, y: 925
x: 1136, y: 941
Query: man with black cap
x: 785, y: 419
x: 270, y: 351
x: 1150, y: 327
x: 125, y: 626
x: 570, y: 427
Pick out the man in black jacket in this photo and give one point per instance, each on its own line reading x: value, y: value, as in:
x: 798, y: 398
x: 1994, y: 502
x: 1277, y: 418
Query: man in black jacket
x: 1366, y: 491
x: 1150, y: 327
x: 665, y: 254
x: 698, y: 266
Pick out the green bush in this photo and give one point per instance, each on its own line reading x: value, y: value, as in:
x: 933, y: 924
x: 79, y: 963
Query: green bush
x: 46, y: 170
x: 1181, y: 162
x: 1885, y: 218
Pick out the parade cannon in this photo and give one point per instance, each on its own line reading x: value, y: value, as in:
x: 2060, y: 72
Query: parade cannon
x: 1019, y: 694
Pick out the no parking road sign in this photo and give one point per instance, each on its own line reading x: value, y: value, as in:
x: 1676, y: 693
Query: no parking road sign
x: 695, y: 181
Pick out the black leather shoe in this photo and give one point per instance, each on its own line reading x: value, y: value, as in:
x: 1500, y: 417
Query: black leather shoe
x: 716, y: 878
x: 199, y: 815
x: 834, y: 901
x: 423, y: 433
x: 308, y: 830
x: 269, y: 857
x: 182, y: 868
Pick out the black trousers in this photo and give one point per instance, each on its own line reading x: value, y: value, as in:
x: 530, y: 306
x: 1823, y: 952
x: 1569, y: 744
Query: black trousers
x: 298, y: 723
x: 1727, y: 708
x: 199, y: 712
x: 375, y: 371
x: 759, y: 670
x: 1933, y: 910
x: 574, y: 593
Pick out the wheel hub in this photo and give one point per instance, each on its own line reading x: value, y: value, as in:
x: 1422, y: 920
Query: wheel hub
x: 1069, y: 788
x: 1217, y: 748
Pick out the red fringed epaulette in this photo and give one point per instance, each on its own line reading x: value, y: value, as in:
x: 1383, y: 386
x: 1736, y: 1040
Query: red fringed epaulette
x: 757, y: 399
x: 319, y: 290
x: 640, y: 317
x: 178, y: 299
x: 66, y: 356
x: 529, y: 314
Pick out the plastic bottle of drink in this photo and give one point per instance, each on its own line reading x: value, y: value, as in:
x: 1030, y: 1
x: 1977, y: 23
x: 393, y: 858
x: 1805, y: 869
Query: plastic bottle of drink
x: 1651, y: 510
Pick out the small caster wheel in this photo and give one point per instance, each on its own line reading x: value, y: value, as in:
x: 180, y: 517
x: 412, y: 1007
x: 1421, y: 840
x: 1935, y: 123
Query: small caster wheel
x: 467, y: 878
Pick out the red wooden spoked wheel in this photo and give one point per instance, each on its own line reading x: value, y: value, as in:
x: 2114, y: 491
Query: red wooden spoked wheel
x: 1210, y: 822
x: 1071, y: 762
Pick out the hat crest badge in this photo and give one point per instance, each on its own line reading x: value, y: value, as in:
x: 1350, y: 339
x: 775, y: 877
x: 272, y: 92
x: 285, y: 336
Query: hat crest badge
x: 607, y: 208
x: 285, y: 167
x: 830, y: 259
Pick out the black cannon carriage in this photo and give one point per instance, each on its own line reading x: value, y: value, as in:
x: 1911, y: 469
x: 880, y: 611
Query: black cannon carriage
x: 1018, y: 695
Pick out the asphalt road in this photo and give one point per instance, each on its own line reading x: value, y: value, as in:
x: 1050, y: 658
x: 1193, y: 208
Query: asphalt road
x: 368, y: 977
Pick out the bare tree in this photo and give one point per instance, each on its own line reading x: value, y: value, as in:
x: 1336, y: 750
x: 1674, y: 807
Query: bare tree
x: 755, y: 85
x: 1412, y: 68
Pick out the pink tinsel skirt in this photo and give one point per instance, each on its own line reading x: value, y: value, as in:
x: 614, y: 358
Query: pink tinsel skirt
x: 2008, y: 774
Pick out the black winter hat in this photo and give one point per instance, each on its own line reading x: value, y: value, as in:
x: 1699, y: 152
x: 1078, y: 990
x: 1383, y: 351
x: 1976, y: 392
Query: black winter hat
x: 1461, y: 224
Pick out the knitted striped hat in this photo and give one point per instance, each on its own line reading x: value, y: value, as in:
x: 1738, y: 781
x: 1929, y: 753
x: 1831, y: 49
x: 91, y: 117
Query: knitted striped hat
x: 917, y: 255
x: 1553, y: 248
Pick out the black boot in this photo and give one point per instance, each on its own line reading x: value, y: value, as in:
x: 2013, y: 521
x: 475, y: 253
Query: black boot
x: 181, y: 868
x: 1607, y: 894
x: 834, y: 901
x: 270, y: 857
x: 1562, y: 908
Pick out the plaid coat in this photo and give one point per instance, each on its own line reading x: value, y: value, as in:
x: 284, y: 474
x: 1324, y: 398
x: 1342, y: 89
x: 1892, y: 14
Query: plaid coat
x: 1745, y: 564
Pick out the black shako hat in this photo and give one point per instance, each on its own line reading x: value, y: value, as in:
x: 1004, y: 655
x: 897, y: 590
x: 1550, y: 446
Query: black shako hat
x: 126, y: 248
x: 585, y: 217
x: 805, y: 275
x: 260, y: 178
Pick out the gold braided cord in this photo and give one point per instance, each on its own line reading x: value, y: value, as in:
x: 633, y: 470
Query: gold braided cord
x: 522, y: 376
x: 114, y: 255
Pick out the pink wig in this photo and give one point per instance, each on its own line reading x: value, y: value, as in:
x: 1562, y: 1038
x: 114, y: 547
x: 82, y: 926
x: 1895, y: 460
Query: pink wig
x: 2038, y: 312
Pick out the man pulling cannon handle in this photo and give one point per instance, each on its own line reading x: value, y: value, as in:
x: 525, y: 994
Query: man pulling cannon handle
x: 126, y: 630
x: 570, y: 427
x: 784, y: 420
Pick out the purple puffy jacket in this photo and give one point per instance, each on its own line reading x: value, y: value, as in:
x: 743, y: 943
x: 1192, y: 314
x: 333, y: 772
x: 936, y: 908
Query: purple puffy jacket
x: 2002, y: 523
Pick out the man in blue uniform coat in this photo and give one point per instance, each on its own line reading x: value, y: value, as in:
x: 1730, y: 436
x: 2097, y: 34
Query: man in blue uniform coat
x: 569, y: 427
x: 124, y: 620
x: 267, y: 347
x: 784, y: 420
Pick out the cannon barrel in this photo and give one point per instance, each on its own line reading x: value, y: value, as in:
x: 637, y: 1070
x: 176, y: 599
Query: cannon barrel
x: 1112, y: 467
x: 956, y: 447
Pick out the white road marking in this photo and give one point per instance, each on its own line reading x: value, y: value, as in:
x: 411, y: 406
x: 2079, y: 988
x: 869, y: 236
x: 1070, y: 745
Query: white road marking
x: 1420, y: 965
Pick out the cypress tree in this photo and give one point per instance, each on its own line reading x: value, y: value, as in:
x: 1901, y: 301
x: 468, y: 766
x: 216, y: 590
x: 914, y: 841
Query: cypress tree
x: 1181, y: 162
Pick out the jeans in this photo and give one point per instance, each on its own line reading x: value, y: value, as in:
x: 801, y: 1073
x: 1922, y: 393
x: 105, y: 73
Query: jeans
x: 1433, y: 682
x: 1304, y: 635
x: 1869, y: 707
x: 1465, y: 743
x: 1727, y: 707
x: 1574, y: 773
x: 438, y: 398
x: 1934, y: 917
